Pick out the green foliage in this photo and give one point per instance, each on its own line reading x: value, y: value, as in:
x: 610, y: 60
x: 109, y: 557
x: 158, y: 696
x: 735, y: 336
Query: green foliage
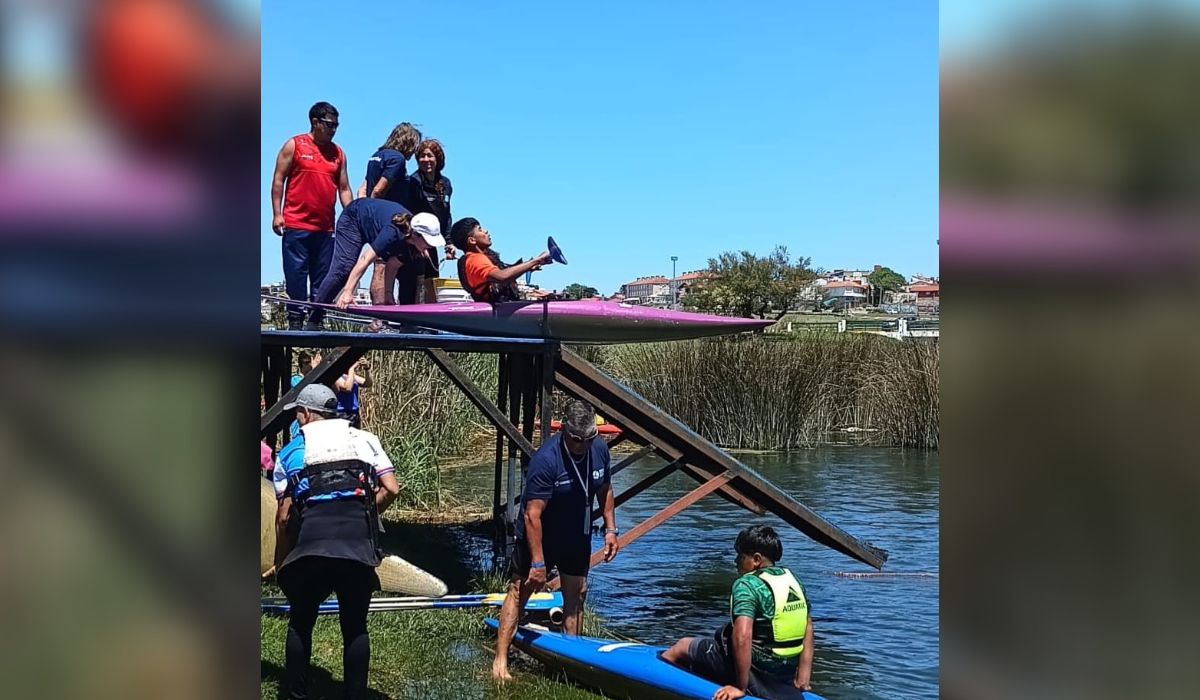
x: 579, y: 291
x: 420, y: 654
x: 783, y: 391
x: 885, y: 279
x: 747, y: 285
x: 415, y: 459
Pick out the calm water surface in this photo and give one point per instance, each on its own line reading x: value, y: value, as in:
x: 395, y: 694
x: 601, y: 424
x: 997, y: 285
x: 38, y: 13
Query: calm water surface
x: 874, y: 637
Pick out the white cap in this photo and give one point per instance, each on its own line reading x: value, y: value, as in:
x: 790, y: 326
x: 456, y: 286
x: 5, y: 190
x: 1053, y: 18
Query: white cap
x: 429, y: 228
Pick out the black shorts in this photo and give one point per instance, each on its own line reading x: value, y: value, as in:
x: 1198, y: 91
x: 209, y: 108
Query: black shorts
x: 572, y: 559
x: 711, y: 658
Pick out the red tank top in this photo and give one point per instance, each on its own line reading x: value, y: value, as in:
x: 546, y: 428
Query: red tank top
x: 312, y: 185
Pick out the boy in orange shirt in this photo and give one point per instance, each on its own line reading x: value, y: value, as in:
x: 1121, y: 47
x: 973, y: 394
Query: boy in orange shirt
x: 480, y: 271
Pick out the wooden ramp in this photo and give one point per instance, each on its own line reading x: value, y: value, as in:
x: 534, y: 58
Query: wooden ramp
x: 693, y: 455
x: 527, y: 371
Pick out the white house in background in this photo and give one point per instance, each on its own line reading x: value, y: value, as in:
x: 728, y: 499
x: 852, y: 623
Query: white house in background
x: 647, y: 291
x: 841, y: 294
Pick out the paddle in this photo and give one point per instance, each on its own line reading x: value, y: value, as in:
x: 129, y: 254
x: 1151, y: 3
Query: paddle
x: 556, y: 253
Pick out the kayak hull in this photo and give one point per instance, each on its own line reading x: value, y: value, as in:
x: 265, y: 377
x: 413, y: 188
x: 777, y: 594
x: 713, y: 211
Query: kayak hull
x: 618, y: 669
x: 570, y: 321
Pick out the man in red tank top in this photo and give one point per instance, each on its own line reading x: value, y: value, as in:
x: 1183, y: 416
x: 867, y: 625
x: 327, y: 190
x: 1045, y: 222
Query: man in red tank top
x: 312, y: 170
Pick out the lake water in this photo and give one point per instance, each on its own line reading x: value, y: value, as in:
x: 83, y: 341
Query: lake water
x: 875, y: 637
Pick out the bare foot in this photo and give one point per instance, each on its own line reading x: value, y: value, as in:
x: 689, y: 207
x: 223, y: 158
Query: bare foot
x: 500, y: 672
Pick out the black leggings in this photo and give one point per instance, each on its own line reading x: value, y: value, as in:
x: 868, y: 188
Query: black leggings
x: 307, y: 582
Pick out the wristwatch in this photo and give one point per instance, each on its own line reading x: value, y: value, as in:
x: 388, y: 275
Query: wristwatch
x: 611, y: 530
x: 538, y: 565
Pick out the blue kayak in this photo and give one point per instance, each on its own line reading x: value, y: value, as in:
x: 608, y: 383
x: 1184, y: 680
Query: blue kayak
x: 617, y: 669
x: 548, y: 603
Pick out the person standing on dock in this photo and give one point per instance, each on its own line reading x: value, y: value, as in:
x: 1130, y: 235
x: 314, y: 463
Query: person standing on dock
x: 332, y: 482
x: 431, y: 193
x: 554, y: 527
x: 387, y: 178
x: 311, y: 169
x: 367, y: 230
x: 766, y: 650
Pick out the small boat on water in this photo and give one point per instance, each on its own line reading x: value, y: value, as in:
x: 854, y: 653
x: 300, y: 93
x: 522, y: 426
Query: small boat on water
x: 617, y: 669
x: 571, y: 321
x: 601, y: 428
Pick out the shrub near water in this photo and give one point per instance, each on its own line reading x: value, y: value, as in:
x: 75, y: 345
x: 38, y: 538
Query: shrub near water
x: 764, y: 392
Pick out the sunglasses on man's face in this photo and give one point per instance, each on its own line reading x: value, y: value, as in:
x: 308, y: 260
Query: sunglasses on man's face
x: 329, y: 123
x: 576, y: 438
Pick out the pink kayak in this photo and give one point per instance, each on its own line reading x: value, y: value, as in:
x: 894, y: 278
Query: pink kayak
x: 570, y: 321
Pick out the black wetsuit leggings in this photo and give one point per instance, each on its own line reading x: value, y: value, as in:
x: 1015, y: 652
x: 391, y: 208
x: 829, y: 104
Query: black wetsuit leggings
x: 307, y: 582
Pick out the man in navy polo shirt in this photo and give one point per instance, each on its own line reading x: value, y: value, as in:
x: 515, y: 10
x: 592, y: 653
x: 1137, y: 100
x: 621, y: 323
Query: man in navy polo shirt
x: 554, y: 529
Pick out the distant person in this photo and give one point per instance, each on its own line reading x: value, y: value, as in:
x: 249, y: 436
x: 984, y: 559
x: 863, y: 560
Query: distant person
x: 387, y: 178
x: 306, y: 360
x: 310, y: 176
x: 346, y: 388
x: 332, y: 482
x: 567, y: 474
x: 385, y: 229
x: 766, y: 649
x: 479, y: 269
x: 433, y: 192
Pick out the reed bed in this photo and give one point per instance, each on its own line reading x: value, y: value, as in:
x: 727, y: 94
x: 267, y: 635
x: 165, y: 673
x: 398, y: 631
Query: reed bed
x: 420, y: 417
x: 769, y: 392
x: 752, y: 392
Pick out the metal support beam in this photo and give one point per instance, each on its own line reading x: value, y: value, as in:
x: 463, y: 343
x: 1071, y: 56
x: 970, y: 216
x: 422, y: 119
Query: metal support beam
x: 546, y: 404
x: 728, y: 492
x: 472, y: 391
x: 640, y: 486
x: 333, y: 365
x: 665, y: 430
x: 630, y: 459
x: 667, y: 513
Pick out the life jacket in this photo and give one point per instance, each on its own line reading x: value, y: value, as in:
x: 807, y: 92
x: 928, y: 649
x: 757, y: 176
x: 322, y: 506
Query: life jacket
x: 491, y: 292
x: 783, y: 634
x: 334, y: 471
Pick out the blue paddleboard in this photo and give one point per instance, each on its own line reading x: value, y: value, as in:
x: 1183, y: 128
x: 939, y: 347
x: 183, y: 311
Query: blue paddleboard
x: 618, y: 669
x: 540, y: 602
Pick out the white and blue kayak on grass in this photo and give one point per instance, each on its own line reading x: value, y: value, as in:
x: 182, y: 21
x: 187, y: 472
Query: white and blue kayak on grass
x: 617, y: 669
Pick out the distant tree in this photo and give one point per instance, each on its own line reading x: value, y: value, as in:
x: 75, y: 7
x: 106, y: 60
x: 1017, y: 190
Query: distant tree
x: 885, y: 279
x: 744, y: 284
x: 579, y: 291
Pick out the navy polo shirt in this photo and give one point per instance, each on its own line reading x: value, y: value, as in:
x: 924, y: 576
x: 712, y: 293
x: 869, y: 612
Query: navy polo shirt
x: 427, y: 199
x: 553, y: 476
x: 374, y: 220
x: 389, y: 163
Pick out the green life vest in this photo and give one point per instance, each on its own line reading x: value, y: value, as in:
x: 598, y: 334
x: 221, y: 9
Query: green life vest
x: 783, y: 634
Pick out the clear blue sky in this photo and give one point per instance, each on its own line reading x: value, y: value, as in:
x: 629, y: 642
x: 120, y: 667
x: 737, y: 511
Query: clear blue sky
x: 634, y: 131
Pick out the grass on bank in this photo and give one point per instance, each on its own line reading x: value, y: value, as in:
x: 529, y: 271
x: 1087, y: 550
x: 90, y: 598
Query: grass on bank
x: 419, y: 654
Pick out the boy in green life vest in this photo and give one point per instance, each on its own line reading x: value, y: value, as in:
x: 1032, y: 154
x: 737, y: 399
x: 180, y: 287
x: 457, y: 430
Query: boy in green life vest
x: 766, y: 649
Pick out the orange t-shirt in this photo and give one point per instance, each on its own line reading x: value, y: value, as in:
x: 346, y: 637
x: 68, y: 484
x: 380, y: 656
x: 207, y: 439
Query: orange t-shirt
x: 478, y: 267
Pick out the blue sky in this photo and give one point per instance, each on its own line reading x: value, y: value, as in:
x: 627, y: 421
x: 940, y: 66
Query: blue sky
x: 634, y: 131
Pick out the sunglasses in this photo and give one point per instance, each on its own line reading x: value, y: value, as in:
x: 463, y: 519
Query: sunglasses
x: 329, y: 123
x: 575, y: 438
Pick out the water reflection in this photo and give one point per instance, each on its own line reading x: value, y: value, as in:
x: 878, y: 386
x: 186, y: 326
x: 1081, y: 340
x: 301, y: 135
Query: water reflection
x: 875, y: 637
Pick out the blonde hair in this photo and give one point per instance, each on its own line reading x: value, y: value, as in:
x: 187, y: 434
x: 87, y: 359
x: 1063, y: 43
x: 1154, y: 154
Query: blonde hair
x: 404, y: 138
